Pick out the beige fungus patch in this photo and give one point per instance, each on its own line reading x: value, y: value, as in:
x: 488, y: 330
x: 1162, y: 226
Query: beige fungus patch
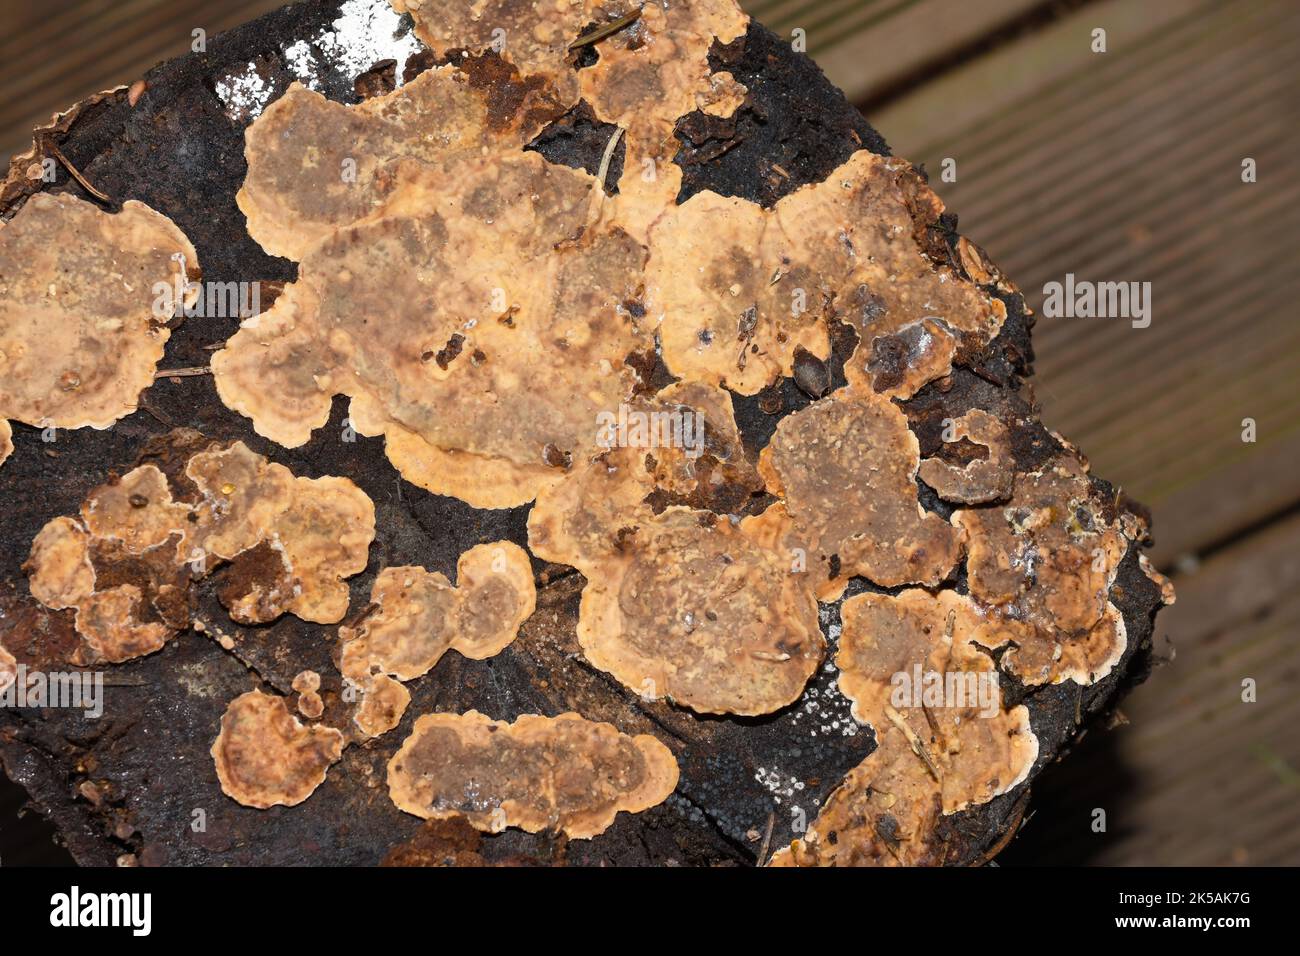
x: 81, y: 332
x: 561, y: 773
x: 419, y: 616
x: 266, y: 758
x: 846, y: 467
x: 472, y: 374
x: 126, y: 563
x: 980, y: 479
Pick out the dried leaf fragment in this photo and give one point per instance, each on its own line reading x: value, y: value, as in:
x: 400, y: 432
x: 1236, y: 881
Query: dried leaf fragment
x: 564, y: 773
x: 265, y: 757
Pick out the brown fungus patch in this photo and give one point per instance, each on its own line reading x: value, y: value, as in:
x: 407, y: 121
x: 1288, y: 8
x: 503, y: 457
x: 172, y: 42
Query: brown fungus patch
x: 704, y: 612
x: 680, y: 446
x: 846, y: 468
x: 306, y: 685
x: 126, y: 563
x: 898, y: 363
x: 651, y: 67
x: 912, y: 661
x: 1048, y: 557
x: 982, y: 478
x: 315, y: 165
x: 265, y: 757
x: 540, y: 328
x: 739, y: 288
x: 85, y: 298
x: 419, y: 616
x: 884, y: 813
x: 561, y: 773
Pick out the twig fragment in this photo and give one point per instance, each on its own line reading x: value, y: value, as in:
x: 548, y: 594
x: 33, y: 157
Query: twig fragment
x: 608, y: 29
x: 76, y: 174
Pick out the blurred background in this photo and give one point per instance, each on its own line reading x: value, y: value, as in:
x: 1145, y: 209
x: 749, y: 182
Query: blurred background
x: 1123, y: 165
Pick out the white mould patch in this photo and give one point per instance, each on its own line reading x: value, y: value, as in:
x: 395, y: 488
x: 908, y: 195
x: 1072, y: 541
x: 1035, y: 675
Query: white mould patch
x: 244, y: 94
x: 367, y: 32
x: 782, y: 786
x: 300, y: 59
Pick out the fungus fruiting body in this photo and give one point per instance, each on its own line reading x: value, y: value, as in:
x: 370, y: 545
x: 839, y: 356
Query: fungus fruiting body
x: 564, y: 773
x: 85, y: 298
x: 420, y: 616
x: 709, y: 402
x: 265, y: 757
x: 127, y: 561
x: 846, y: 467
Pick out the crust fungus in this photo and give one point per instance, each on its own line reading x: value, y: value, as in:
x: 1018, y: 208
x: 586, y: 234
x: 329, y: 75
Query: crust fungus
x: 6, y: 440
x: 83, y: 324
x: 315, y: 166
x: 764, y: 282
x: 897, y: 364
x: 538, y: 327
x: 882, y: 814
x: 1048, y: 558
x: 264, y: 755
x: 912, y: 661
x: 704, y: 612
x: 306, y: 684
x: 944, y: 741
x: 126, y: 563
x: 420, y: 616
x: 980, y: 477
x: 650, y: 68
x: 562, y: 773
x: 846, y: 467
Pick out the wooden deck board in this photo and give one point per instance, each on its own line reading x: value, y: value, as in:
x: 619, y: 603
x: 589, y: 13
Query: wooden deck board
x: 1125, y: 166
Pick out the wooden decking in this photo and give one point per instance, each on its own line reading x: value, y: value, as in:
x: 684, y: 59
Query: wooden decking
x: 1122, y: 166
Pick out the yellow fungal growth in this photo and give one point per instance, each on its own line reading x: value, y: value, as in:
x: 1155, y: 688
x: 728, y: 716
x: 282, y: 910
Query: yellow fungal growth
x: 561, y: 773
x: 266, y: 758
